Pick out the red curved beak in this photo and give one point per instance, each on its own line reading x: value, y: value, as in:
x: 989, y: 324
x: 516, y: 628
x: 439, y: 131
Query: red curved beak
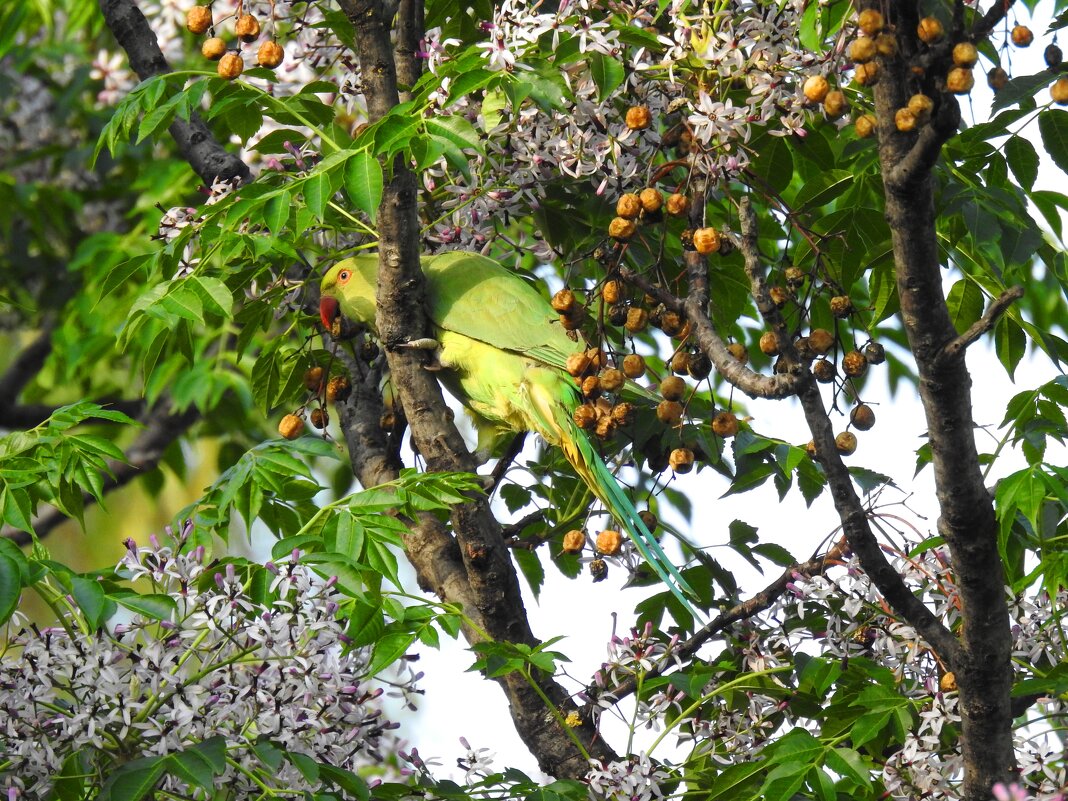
x: 329, y: 309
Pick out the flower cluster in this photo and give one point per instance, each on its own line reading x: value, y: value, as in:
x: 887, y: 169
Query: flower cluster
x: 224, y: 663
x: 637, y: 778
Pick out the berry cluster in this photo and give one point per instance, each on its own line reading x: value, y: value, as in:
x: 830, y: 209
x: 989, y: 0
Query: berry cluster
x: 200, y: 20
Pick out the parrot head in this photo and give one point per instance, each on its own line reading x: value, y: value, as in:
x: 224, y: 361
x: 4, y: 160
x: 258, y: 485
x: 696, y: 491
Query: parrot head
x: 349, y: 288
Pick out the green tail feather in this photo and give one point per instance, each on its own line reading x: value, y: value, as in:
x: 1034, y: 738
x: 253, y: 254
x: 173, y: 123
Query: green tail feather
x: 609, y: 492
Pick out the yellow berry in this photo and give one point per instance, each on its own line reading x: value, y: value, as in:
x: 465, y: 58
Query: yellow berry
x: 672, y: 388
x: 651, y: 200
x: 866, y: 74
x: 865, y: 125
x: 609, y: 542
x: 270, y: 54
x: 1022, y: 36
x: 1059, y: 92
x: 862, y: 49
x: 681, y: 460
x: 930, y: 30
x: 621, y: 228
x: 905, y: 120
x: 835, y: 104
x: 960, y: 81
x: 921, y: 106
x: 230, y: 66
x: 638, y: 118
x: 678, y: 205
x: 816, y: 88
x: 965, y: 54
x: 628, y: 206
x: 633, y: 366
x: 870, y: 21
x: 669, y: 412
x: 247, y: 28
x: 846, y: 442
x: 706, y: 240
x: 198, y: 19
x: 574, y: 541
x: 291, y: 426
x: 725, y: 425
x: 213, y: 49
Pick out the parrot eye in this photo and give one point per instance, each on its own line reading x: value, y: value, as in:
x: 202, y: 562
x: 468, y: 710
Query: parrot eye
x: 343, y: 276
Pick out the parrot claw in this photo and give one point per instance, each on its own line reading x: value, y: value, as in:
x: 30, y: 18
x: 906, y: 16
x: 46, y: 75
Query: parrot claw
x: 424, y: 343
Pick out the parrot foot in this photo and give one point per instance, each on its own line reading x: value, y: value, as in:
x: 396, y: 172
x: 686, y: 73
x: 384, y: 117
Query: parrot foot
x: 424, y: 343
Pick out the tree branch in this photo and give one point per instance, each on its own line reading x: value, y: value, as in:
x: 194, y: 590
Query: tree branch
x: 816, y: 566
x: 998, y: 306
x: 162, y: 427
x: 209, y: 159
x: 983, y: 667
x: 851, y: 511
x: 711, y: 344
x: 24, y: 367
x: 491, y: 594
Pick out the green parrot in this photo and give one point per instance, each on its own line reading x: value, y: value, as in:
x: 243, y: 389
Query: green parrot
x: 503, y: 354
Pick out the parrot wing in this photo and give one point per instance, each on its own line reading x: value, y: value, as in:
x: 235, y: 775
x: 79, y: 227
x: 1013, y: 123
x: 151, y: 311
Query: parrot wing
x: 475, y: 296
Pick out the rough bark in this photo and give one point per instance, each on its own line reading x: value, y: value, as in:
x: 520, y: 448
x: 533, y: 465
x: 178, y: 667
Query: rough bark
x: 983, y: 666
x: 208, y: 158
x: 474, y: 570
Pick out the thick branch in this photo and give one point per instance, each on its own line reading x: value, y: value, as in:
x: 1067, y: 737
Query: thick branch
x: 162, y: 427
x: 25, y: 366
x: 983, y: 668
x: 490, y: 595
x: 998, y: 306
x: 927, y: 145
x: 999, y: 9
x: 712, y: 345
x: 406, y: 49
x: 850, y: 510
x: 209, y: 159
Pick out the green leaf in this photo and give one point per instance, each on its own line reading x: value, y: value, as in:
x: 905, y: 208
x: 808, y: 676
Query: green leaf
x: 774, y: 163
x: 10, y: 587
x: 364, y: 182
x: 155, y: 607
x: 1010, y: 343
x: 90, y: 598
x: 192, y: 768
x: 317, y: 193
x: 868, y: 726
x: 456, y: 129
x: 389, y: 649
x: 366, y: 622
x: 276, y: 211
x: 1023, y: 160
x: 965, y: 302
x: 847, y: 762
x: 134, y: 780
x: 1053, y: 127
x: 350, y: 782
x: 608, y: 74
x: 737, y: 782
x: 530, y: 565
x: 470, y: 81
